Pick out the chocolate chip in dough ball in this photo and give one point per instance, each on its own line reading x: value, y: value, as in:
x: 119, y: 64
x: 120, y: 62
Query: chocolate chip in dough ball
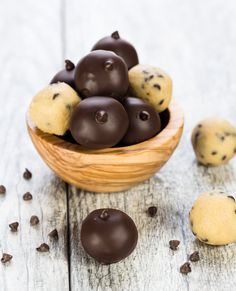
x: 151, y: 84
x: 119, y: 46
x: 66, y: 75
x: 214, y: 141
x: 213, y: 218
x: 51, y: 108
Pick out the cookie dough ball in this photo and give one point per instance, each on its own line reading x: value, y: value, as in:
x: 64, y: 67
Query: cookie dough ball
x: 213, y: 218
x: 51, y: 108
x: 214, y: 141
x: 151, y: 84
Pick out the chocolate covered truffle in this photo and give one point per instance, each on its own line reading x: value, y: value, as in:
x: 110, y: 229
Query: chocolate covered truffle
x: 108, y: 235
x: 119, y: 46
x: 144, y: 121
x: 101, y: 73
x: 99, y: 122
x: 66, y: 75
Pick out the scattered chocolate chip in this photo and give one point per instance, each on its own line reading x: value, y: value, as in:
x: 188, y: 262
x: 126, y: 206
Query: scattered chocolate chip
x: 191, y: 223
x: 157, y: 86
x: 199, y: 125
x: 115, y: 35
x: 43, y: 248
x: 145, y: 72
x: 68, y: 107
x: 160, y: 76
x: 148, y: 78
x: 214, y: 153
x: 55, y: 96
x: 148, y: 93
x: 34, y: 220
x: 14, y: 226
x: 224, y: 157
x: 222, y: 138
x: 231, y: 197
x: 174, y: 244
x: 161, y: 102
x: 2, y: 189
x: 142, y: 86
x: 197, y: 135
x: 27, y: 196
x: 185, y: 268
x: 194, y: 257
x: 27, y: 175
x: 104, y: 215
x: 202, y: 156
x: 54, y: 234
x: 235, y: 150
x: 69, y: 65
x: 152, y: 211
x: 6, y: 258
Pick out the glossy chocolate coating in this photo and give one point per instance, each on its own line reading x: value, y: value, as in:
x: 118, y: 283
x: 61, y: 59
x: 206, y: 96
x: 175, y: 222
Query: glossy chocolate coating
x: 108, y: 235
x: 66, y: 75
x: 119, y: 46
x: 101, y: 73
x: 99, y: 122
x: 144, y: 121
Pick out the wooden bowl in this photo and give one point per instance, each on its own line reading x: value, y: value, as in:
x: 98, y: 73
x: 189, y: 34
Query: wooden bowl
x: 111, y: 169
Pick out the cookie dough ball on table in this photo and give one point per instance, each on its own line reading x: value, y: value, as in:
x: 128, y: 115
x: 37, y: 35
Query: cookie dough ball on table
x: 214, y: 141
x: 213, y: 218
x: 51, y: 108
x: 151, y: 84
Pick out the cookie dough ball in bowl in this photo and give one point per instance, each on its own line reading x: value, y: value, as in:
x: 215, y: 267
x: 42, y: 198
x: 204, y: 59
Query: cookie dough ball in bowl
x: 51, y: 109
x: 214, y: 141
x: 213, y: 218
x: 151, y: 84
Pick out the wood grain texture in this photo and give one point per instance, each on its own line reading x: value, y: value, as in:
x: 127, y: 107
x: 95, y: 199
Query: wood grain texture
x: 194, y: 41
x: 28, y: 55
x: 112, y: 169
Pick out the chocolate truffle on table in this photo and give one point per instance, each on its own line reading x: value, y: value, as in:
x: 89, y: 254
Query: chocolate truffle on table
x: 119, y: 46
x: 101, y: 73
x: 66, y: 75
x: 144, y: 121
x: 99, y: 122
x: 108, y: 235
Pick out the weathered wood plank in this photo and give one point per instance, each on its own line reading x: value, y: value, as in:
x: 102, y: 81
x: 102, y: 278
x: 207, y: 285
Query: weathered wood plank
x: 195, y: 42
x: 30, y: 54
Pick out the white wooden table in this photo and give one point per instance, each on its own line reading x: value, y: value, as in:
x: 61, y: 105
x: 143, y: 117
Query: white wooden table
x: 195, y: 42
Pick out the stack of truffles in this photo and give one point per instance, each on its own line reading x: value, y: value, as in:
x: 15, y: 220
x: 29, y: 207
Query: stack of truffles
x: 107, y: 99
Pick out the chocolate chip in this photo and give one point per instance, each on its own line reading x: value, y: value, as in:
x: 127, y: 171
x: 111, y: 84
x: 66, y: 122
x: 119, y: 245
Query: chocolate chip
x: 199, y: 125
x: 191, y: 223
x: 2, y: 189
x: 222, y: 138
x: 54, y: 234
x: 115, y: 35
x: 27, y: 175
x: 69, y: 65
x: 34, y: 220
x: 161, y: 102
x: 214, y: 153
x: 235, y: 150
x: 197, y: 135
x: 14, y: 226
x: 202, y: 156
x: 43, y: 248
x: 27, y: 196
x: 152, y: 211
x: 145, y: 72
x: 142, y: 86
x: 55, y: 96
x: 6, y: 258
x: 68, y: 107
x: 194, y: 257
x: 157, y: 86
x: 160, y: 76
x: 204, y: 240
x: 224, y: 157
x: 149, y: 78
x: 104, y: 215
x: 148, y: 93
x: 231, y: 197
x: 174, y: 244
x: 185, y: 268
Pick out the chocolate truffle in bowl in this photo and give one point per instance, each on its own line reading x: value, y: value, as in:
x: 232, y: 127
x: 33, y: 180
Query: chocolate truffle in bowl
x: 101, y: 73
x: 144, y: 121
x: 119, y: 46
x: 99, y: 122
x: 108, y: 235
x: 66, y: 75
